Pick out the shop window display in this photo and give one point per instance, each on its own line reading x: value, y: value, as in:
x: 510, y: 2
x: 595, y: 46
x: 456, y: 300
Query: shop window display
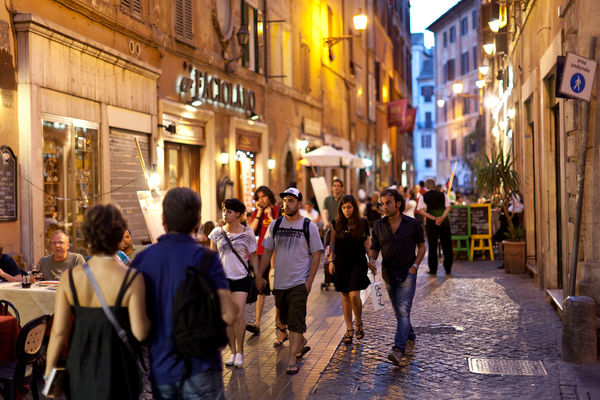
x: 246, y: 174
x: 70, y: 163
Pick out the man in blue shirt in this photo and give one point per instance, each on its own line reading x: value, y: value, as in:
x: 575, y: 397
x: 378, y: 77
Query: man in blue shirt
x: 163, y: 265
x: 397, y: 236
x: 9, y: 271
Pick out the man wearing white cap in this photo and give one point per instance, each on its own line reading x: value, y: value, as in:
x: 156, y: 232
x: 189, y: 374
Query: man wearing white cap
x: 297, y: 248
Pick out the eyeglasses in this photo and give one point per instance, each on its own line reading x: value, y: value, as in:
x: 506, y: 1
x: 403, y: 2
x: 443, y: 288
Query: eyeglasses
x: 59, y: 243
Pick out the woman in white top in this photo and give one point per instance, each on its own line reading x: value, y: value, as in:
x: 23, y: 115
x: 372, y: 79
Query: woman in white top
x: 244, y: 242
x: 411, y: 204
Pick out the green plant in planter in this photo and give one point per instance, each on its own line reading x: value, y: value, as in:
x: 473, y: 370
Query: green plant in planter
x: 496, y: 178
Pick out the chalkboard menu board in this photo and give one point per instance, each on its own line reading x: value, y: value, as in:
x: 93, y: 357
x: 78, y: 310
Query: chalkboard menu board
x: 8, y: 184
x: 480, y: 219
x: 459, y: 221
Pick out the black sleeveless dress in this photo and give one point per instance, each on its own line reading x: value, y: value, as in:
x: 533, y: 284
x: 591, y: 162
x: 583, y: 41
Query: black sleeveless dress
x: 99, y: 366
x: 351, y: 264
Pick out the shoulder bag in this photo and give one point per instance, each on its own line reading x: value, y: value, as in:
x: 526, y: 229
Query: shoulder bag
x: 253, y: 291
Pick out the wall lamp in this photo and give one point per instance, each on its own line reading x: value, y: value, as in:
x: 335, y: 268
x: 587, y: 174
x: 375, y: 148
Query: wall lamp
x: 253, y: 116
x: 489, y: 48
x: 169, y: 128
x: 360, y: 24
x: 271, y: 164
x: 457, y: 87
x: 242, y: 37
x: 224, y: 158
x: 494, y: 24
x: 441, y: 103
x: 196, y: 101
x: 484, y: 67
x: 480, y: 83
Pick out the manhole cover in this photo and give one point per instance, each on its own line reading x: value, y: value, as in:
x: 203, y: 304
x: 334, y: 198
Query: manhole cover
x: 506, y: 367
x: 438, y: 329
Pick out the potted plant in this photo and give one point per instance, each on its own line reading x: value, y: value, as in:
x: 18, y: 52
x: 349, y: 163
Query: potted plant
x: 496, y: 178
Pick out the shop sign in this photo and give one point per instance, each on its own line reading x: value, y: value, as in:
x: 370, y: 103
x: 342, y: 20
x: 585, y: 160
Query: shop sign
x: 397, y: 112
x: 577, y: 77
x: 201, y: 85
x: 409, y: 121
x: 311, y: 127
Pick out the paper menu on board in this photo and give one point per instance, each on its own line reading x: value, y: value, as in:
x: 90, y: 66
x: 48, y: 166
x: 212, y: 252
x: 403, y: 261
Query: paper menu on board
x: 151, y: 205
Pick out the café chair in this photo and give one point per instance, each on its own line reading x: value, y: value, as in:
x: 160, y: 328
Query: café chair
x: 4, y: 310
x: 29, y: 350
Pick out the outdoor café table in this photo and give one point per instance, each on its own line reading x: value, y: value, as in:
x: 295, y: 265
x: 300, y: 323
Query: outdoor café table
x: 9, y: 331
x: 32, y: 302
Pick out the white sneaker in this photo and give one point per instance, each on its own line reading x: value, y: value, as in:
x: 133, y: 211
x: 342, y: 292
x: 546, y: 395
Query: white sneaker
x: 239, y: 360
x: 231, y: 360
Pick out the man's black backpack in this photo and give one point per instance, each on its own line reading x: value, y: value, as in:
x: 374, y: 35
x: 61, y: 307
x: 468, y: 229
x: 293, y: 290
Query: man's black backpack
x: 198, y: 329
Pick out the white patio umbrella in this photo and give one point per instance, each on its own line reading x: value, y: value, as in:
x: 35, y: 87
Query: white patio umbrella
x: 329, y: 156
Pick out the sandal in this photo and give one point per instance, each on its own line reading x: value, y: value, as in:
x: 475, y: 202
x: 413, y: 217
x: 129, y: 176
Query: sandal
x: 360, y: 333
x: 292, y: 369
x: 348, y: 336
x: 280, y: 340
x: 303, y: 351
x: 252, y: 328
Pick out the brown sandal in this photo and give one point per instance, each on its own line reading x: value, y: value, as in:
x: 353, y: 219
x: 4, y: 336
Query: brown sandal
x: 280, y: 340
x: 360, y: 333
x: 348, y: 336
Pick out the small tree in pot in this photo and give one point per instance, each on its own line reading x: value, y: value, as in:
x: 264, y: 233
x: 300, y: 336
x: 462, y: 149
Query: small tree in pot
x: 496, y: 178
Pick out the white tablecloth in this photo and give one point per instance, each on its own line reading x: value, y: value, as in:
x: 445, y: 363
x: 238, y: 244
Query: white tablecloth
x: 31, y: 303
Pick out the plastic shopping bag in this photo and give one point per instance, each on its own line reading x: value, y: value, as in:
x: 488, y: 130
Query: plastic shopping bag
x: 377, y: 296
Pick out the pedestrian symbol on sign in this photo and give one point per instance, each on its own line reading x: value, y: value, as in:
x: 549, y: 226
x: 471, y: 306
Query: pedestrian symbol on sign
x: 577, y: 82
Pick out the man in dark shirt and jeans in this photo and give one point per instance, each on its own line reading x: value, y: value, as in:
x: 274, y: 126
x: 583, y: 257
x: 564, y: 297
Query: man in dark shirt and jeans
x: 397, y: 236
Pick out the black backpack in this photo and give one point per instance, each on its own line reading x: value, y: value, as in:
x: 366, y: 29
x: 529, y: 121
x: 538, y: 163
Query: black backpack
x: 305, y: 226
x: 198, y: 329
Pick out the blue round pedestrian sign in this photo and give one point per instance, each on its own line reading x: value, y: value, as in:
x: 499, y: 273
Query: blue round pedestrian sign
x: 577, y: 82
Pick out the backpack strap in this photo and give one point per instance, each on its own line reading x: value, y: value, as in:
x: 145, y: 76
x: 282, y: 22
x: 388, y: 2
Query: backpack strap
x: 276, y: 227
x: 305, y: 227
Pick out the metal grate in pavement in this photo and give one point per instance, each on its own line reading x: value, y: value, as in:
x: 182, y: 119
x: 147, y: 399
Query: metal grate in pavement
x: 506, y: 366
x: 438, y: 329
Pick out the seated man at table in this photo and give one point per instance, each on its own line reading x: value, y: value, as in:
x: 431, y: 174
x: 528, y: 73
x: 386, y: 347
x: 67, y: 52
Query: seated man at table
x: 9, y: 271
x: 61, y: 259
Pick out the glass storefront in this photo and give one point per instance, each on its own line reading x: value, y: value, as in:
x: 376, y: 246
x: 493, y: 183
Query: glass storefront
x: 182, y: 166
x: 70, y: 174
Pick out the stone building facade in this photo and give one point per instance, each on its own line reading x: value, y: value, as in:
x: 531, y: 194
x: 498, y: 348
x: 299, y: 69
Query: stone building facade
x: 545, y: 133
x: 456, y: 56
x: 83, y: 81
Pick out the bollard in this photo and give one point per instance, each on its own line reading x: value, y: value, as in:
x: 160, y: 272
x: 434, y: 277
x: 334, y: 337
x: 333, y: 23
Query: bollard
x: 579, y: 334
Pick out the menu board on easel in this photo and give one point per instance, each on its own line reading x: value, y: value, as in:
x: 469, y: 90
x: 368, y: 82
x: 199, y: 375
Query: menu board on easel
x: 460, y: 222
x: 481, y: 221
x: 151, y: 205
x: 8, y: 184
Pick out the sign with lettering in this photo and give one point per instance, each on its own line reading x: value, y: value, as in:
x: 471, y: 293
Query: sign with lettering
x: 481, y: 221
x: 577, y: 77
x: 8, y: 184
x: 201, y: 86
x: 460, y: 221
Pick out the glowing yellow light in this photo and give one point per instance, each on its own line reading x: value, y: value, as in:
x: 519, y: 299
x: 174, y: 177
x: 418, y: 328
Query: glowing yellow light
x: 224, y: 158
x: 489, y: 48
x: 271, y: 163
x: 457, y: 87
x: 384, y: 93
x: 259, y: 28
x: 480, y: 83
x: 360, y: 21
x: 494, y: 25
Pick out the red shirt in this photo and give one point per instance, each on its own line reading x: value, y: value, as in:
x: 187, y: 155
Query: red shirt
x: 263, y: 226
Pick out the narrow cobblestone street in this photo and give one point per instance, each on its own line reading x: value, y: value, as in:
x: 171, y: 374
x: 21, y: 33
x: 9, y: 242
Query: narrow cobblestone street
x: 478, y: 311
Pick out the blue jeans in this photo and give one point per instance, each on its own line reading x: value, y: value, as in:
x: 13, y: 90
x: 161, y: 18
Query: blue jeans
x: 205, y: 385
x: 401, y: 295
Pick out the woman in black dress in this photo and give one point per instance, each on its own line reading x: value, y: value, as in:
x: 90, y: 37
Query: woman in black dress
x: 348, y: 262
x: 99, y: 366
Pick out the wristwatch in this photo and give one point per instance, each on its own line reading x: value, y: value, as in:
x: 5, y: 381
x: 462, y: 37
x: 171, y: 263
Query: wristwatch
x: 416, y: 266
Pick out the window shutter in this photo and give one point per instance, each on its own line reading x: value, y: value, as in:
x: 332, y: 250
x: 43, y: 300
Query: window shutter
x: 183, y: 19
x: 132, y: 7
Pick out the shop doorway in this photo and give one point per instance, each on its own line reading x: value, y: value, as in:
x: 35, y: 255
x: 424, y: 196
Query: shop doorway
x: 182, y: 166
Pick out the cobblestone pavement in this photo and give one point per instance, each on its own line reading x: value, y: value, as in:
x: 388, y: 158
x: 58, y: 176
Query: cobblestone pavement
x: 478, y: 311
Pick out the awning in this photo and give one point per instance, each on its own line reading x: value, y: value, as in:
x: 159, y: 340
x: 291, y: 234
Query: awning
x: 329, y: 156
